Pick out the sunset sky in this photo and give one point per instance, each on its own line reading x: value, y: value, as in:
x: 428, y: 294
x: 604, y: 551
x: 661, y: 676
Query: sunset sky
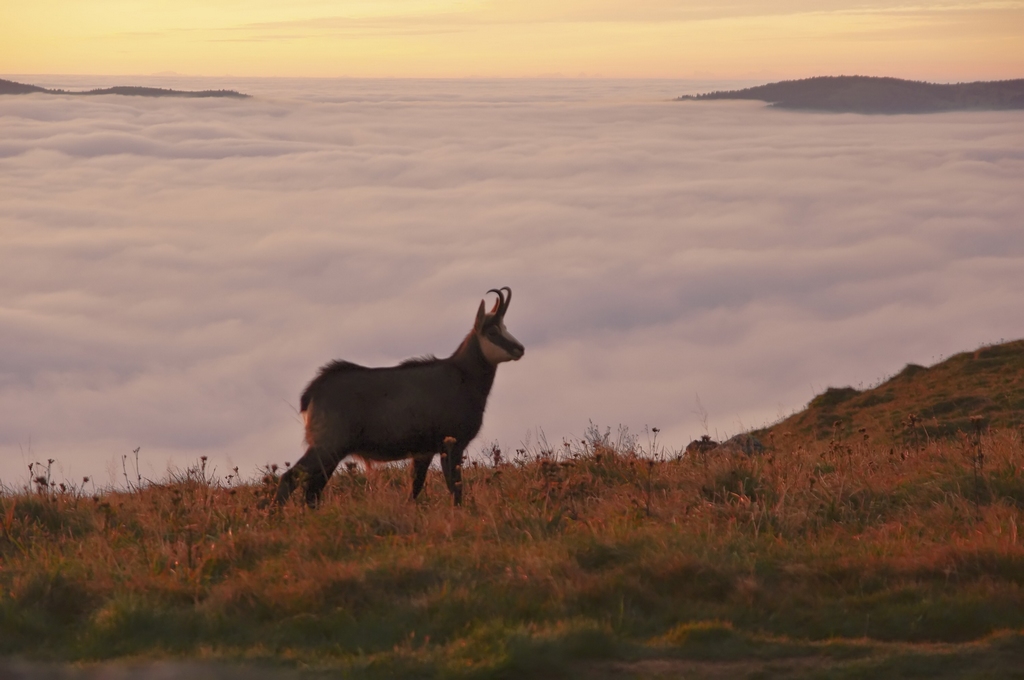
x: 925, y: 39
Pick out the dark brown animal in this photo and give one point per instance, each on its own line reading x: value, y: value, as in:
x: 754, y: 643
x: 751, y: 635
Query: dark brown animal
x: 418, y: 409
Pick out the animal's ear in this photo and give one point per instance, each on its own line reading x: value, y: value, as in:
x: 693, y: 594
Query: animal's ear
x: 481, y: 314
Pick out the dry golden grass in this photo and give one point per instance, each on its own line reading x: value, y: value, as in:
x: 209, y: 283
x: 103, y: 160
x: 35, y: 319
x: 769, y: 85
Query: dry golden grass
x: 595, y: 550
x: 920, y: 404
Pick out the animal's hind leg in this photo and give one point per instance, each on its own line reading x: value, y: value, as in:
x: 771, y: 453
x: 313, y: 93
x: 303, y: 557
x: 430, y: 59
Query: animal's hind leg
x: 312, y: 472
x: 420, y: 465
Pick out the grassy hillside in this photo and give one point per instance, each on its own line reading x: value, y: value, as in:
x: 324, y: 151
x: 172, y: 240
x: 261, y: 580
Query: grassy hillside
x: 839, y: 556
x: 845, y: 559
x: 983, y: 388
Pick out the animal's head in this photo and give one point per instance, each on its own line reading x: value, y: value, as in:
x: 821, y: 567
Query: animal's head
x: 497, y: 343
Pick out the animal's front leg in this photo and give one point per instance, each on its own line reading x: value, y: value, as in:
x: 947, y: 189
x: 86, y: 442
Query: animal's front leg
x: 420, y: 465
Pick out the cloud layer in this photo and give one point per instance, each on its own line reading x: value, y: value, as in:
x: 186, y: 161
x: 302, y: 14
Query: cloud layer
x: 173, y: 272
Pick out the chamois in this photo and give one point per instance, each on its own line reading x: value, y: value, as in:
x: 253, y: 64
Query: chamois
x: 418, y: 409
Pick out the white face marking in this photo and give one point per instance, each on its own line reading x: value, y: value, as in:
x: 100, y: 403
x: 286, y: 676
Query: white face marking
x: 496, y: 354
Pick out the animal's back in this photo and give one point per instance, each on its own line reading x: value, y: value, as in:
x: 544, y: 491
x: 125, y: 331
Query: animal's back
x: 390, y: 413
x: 325, y: 375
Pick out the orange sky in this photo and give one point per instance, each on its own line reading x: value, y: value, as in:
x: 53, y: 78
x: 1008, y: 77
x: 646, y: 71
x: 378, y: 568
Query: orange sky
x: 926, y: 39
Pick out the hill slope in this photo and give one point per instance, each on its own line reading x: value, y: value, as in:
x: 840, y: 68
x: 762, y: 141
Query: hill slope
x: 863, y: 94
x: 597, y: 559
x: 920, y: 403
x: 11, y: 87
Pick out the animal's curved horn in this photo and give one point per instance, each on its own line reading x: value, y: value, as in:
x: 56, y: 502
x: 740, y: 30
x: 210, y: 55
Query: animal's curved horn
x: 499, y: 304
x: 508, y: 299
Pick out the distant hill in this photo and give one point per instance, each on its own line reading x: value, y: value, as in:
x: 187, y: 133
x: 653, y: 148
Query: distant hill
x: 11, y: 87
x: 863, y: 94
x: 980, y: 388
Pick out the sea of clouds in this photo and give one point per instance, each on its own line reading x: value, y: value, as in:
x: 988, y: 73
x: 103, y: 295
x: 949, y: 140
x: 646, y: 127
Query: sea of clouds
x: 174, y: 271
